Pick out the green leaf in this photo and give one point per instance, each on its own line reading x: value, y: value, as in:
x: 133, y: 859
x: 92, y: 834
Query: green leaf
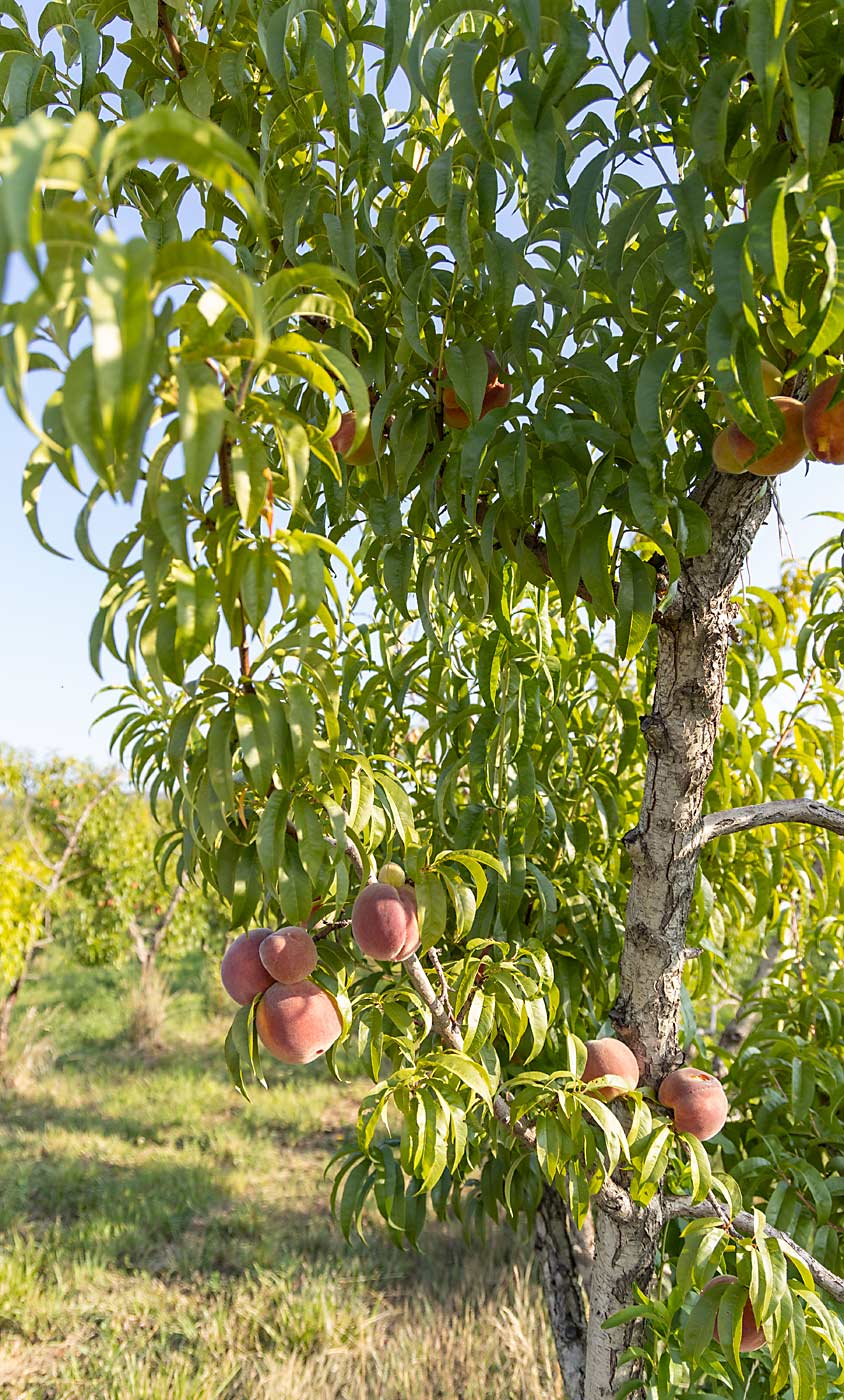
x: 201, y: 419
x: 832, y: 295
x: 164, y: 133
x: 464, y: 96
x: 635, y: 603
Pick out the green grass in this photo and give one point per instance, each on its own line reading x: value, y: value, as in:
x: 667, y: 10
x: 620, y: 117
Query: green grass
x: 160, y: 1239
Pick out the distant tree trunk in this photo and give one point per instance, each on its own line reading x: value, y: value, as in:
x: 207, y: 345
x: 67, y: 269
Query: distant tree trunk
x: 53, y: 884
x: 147, y: 941
x: 11, y: 997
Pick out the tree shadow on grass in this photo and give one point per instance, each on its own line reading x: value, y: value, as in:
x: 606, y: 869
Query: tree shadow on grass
x: 174, y: 1221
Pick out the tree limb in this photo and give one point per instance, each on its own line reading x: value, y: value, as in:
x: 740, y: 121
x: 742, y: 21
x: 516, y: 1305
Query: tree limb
x: 675, y: 1207
x: 796, y: 809
x: 350, y: 849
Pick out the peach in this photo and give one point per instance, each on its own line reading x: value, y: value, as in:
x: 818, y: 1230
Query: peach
x: 242, y: 973
x: 698, y: 1100
x: 297, y: 1023
x: 771, y: 378
x: 342, y: 440
x: 497, y: 395
x: 824, y: 426
x: 723, y: 454
x: 383, y: 921
x: 611, y: 1056
x: 412, y: 941
x: 790, y: 449
x: 752, y: 1336
x: 391, y: 874
x: 290, y: 955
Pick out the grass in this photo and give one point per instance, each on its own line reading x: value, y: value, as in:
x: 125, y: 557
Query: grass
x: 162, y: 1240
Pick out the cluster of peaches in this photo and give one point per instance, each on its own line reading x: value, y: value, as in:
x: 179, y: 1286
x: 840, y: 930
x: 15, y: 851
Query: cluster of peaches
x: 700, y: 1107
x: 811, y: 426
x: 296, y: 1020
x: 496, y: 395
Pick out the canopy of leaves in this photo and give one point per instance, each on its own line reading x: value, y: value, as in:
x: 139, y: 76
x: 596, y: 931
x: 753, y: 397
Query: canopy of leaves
x: 239, y: 220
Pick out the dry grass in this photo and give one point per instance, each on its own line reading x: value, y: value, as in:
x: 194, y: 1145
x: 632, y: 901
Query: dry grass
x: 161, y: 1240
x: 148, y: 1005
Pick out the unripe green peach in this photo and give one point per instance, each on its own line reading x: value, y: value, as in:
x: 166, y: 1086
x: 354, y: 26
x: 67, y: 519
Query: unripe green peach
x: 611, y: 1056
x: 290, y: 955
x: 698, y: 1100
x: 771, y: 378
x: 391, y: 874
x: 242, y: 973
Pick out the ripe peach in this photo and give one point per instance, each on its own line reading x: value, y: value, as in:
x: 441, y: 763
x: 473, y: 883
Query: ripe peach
x: 297, y: 1023
x: 289, y: 955
x: 611, y: 1056
x: 790, y: 449
x: 383, y: 921
x: 752, y: 1336
x: 497, y: 395
x: 412, y: 941
x: 342, y: 440
x: 824, y: 426
x: 723, y: 454
x: 698, y: 1100
x: 242, y: 973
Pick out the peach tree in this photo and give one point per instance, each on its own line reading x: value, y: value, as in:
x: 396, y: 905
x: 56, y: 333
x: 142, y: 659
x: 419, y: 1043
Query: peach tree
x: 403, y: 333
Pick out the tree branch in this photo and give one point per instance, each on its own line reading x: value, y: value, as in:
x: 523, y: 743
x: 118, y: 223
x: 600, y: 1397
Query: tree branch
x: 675, y: 1207
x: 796, y: 809
x: 350, y: 849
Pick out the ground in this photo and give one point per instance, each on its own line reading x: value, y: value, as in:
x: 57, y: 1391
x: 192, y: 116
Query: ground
x: 162, y: 1240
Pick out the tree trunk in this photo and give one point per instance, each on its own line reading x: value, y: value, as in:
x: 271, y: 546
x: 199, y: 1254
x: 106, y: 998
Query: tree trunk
x: 695, y: 630
x: 565, y: 1264
x: 11, y: 997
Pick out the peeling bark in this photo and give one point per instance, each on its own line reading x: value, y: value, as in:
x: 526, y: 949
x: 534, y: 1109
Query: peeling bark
x: 695, y: 631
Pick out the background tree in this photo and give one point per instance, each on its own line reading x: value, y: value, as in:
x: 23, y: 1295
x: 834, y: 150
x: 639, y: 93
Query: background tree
x: 79, y: 866
x: 488, y: 635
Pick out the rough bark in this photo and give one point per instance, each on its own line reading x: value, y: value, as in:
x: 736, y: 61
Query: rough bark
x: 561, y: 1269
x: 695, y: 630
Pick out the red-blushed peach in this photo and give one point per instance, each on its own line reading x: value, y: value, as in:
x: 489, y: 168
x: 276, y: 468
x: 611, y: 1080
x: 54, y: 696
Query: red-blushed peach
x: 412, y: 941
x: 824, y: 426
x: 289, y: 955
x: 380, y: 921
x: 242, y: 973
x: 790, y: 449
x: 698, y: 1100
x: 723, y: 455
x: 297, y: 1023
x: 752, y: 1336
x: 611, y: 1056
x: 364, y: 453
x: 497, y: 395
